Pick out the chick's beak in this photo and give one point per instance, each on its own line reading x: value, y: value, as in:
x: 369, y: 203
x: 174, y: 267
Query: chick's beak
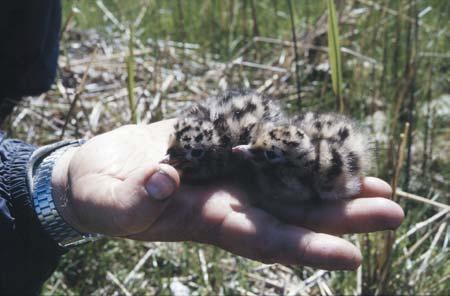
x: 174, y: 161
x: 166, y: 159
x: 243, y: 151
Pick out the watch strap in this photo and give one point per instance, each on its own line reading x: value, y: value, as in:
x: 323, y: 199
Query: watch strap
x: 39, y: 181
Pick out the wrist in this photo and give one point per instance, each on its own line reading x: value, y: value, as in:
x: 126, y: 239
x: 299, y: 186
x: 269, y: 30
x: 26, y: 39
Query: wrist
x: 61, y: 191
x: 48, y: 167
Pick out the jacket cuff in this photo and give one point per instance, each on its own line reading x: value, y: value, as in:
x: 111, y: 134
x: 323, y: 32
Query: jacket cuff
x: 26, y: 220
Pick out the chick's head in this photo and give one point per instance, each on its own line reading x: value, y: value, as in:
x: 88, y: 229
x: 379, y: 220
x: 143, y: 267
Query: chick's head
x: 279, y: 146
x: 198, y: 150
x: 282, y: 157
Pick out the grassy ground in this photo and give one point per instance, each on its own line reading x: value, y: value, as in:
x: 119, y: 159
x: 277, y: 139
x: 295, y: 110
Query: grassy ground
x: 395, y: 69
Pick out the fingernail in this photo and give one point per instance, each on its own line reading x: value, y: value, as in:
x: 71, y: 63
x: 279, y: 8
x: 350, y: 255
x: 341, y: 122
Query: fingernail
x: 160, y: 185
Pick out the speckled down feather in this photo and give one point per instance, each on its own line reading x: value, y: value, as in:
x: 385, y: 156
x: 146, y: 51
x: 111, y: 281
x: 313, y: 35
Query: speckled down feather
x: 310, y: 156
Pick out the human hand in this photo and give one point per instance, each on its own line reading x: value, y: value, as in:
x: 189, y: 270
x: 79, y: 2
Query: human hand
x: 107, y: 194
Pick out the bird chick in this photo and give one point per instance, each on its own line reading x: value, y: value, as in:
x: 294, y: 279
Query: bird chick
x: 282, y: 157
x: 196, y: 148
x: 239, y: 112
x: 316, y: 156
x: 343, y: 153
x: 200, y: 146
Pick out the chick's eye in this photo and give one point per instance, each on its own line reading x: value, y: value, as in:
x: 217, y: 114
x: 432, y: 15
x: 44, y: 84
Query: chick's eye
x: 197, y: 153
x: 271, y: 155
x: 274, y: 156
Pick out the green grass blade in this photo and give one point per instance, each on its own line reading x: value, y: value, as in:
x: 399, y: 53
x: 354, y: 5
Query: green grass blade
x: 130, y: 80
x: 334, y: 54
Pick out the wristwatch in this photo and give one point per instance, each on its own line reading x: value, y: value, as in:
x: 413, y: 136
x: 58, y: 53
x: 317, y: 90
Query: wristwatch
x: 39, y: 179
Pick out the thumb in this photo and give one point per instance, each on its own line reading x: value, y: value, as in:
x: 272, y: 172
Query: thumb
x: 162, y: 183
x: 143, y: 196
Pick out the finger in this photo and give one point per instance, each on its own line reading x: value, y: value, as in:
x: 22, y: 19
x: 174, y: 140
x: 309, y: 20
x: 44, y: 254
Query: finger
x: 143, y: 196
x: 374, y: 187
x: 160, y: 184
x: 346, y: 216
x: 351, y: 216
x: 256, y: 235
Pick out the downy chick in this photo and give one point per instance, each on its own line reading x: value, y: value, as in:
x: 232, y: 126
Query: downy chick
x: 239, y: 113
x: 200, y: 146
x: 197, y: 149
x: 316, y: 156
x: 282, y: 158
x: 344, y: 153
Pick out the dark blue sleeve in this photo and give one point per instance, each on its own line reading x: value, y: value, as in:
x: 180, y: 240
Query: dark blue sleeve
x: 28, y: 255
x: 29, y: 45
x: 29, y: 32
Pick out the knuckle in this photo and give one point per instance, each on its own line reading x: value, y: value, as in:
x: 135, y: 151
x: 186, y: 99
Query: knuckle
x: 304, y: 249
x: 266, y: 249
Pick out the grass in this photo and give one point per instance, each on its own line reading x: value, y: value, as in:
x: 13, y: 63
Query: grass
x: 395, y: 68
x: 334, y: 54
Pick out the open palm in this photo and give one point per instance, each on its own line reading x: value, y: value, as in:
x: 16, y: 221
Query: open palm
x: 107, y: 180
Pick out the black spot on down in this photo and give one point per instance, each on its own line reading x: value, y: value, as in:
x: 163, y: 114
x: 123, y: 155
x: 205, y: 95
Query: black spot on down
x: 198, y: 138
x: 318, y: 125
x: 353, y: 162
x: 343, y: 133
x: 250, y: 108
x: 336, y: 164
